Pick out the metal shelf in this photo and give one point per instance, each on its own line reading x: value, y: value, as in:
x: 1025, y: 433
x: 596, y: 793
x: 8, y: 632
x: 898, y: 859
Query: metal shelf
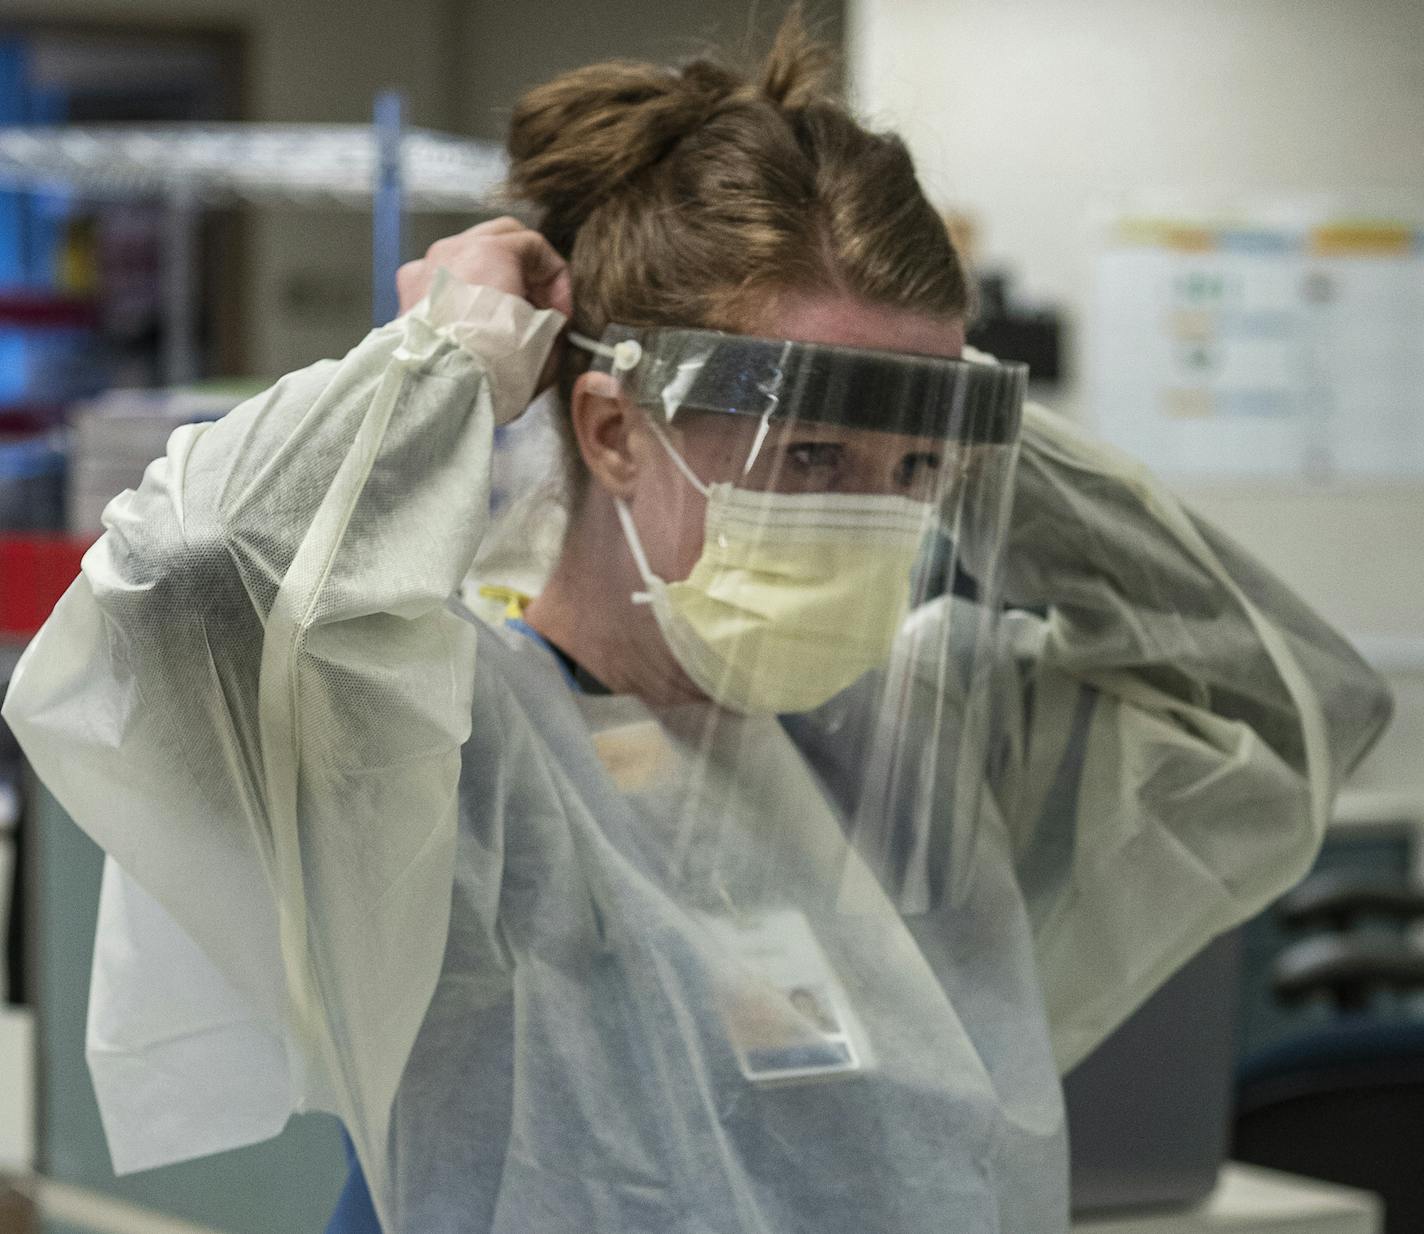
x: 261, y: 164
x: 384, y: 166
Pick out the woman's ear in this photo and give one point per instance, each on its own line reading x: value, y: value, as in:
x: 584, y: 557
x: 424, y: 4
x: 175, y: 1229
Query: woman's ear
x: 606, y: 426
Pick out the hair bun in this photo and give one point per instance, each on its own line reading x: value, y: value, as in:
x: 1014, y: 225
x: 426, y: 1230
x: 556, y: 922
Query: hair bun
x: 577, y: 139
x: 800, y: 69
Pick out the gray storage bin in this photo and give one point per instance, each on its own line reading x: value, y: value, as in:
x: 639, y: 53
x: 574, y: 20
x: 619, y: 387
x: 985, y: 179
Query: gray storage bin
x: 1149, y: 1111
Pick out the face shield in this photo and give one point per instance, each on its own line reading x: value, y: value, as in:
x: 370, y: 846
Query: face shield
x: 842, y: 612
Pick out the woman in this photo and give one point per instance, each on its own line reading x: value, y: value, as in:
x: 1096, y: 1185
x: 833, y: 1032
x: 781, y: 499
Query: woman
x: 730, y: 884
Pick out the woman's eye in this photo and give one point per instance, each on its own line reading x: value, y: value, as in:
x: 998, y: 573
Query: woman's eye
x: 918, y: 470
x: 812, y: 455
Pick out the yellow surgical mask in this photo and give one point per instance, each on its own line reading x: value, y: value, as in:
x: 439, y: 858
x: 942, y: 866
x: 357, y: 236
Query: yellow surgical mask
x: 794, y: 597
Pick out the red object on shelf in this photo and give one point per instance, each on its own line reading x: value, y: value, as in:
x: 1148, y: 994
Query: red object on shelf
x: 41, y: 310
x: 18, y: 419
x: 35, y: 570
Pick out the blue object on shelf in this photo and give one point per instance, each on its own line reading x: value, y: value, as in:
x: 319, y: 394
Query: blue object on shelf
x: 31, y: 224
x: 49, y: 349
x: 12, y: 205
x: 388, y: 206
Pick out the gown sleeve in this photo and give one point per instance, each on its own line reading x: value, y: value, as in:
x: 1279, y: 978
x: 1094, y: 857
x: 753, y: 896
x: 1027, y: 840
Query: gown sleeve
x: 254, y: 698
x: 1181, y: 726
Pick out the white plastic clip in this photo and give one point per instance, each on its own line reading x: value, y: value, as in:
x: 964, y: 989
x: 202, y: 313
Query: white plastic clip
x: 626, y: 355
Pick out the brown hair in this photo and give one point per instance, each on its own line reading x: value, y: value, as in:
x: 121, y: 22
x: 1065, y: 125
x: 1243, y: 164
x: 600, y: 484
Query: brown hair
x: 691, y: 196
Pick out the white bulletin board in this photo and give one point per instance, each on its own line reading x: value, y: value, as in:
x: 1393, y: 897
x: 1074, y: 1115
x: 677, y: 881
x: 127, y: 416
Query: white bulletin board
x: 1236, y: 350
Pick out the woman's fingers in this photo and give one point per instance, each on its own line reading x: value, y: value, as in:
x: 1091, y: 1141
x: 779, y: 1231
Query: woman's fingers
x: 558, y: 294
x: 412, y: 282
x: 541, y: 268
x: 500, y: 253
x: 493, y: 227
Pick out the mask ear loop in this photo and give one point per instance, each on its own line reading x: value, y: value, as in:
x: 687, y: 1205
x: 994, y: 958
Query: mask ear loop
x: 635, y: 546
x: 678, y: 461
x: 626, y: 356
x: 625, y: 515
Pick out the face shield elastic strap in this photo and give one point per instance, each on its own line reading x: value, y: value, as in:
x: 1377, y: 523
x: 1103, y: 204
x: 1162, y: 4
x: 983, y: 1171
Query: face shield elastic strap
x: 625, y: 356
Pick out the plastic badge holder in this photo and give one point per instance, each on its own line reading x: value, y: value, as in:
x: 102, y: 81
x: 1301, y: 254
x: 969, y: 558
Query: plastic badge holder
x: 787, y: 1016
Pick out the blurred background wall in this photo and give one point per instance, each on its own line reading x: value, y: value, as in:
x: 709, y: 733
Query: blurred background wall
x: 1037, y: 115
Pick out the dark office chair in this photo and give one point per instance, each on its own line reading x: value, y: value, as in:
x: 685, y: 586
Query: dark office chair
x: 1344, y: 1100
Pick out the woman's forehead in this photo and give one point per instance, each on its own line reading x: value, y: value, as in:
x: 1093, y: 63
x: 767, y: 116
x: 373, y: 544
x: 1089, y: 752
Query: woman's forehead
x: 847, y: 321
x: 834, y: 319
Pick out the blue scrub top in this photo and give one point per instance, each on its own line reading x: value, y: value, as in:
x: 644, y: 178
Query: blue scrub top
x: 355, y: 1213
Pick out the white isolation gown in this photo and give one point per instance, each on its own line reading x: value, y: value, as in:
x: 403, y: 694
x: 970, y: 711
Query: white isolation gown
x: 369, y: 857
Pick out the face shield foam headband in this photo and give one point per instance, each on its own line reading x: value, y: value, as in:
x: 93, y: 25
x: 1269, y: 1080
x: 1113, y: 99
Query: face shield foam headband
x: 795, y: 595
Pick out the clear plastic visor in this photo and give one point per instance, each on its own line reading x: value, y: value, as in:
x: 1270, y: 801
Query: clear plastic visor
x: 842, y: 614
x: 780, y: 417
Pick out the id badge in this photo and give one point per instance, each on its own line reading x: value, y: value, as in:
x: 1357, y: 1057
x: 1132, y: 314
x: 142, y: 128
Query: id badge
x: 787, y: 1016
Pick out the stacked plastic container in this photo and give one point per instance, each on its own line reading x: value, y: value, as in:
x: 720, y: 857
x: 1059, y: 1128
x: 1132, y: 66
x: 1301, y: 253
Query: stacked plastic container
x: 115, y: 436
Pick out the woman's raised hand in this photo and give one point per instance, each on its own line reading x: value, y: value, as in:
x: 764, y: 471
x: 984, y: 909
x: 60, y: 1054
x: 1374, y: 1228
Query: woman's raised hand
x: 502, y: 253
